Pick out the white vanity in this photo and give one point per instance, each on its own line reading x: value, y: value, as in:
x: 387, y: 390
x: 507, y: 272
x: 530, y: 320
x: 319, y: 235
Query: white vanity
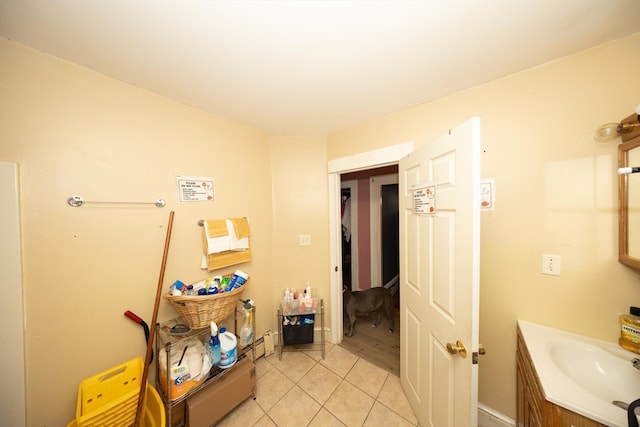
x: 566, y: 379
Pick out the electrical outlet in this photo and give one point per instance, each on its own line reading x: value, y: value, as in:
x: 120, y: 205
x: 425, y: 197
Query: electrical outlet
x: 551, y: 264
x: 305, y: 240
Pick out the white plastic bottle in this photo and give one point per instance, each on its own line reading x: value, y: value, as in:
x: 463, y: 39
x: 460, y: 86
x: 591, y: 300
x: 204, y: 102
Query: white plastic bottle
x: 287, y: 301
x: 307, y: 290
x: 246, y: 331
x: 228, y: 348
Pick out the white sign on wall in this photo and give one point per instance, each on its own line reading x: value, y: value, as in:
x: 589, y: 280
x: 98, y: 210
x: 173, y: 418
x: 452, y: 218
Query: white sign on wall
x: 195, y: 189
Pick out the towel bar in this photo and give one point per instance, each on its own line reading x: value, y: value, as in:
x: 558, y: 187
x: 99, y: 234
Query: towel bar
x: 77, y: 201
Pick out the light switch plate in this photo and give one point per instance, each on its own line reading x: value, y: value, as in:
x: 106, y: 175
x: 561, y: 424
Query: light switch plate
x: 305, y: 240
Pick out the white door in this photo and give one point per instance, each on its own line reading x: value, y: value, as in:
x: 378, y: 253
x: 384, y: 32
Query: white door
x: 439, y: 274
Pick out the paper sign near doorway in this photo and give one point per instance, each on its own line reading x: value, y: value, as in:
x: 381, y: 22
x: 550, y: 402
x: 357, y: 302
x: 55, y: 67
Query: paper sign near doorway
x: 487, y: 194
x: 424, y: 199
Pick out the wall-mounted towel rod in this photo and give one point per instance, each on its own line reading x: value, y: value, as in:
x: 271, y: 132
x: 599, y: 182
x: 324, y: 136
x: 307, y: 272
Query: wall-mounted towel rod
x: 201, y: 223
x: 77, y: 201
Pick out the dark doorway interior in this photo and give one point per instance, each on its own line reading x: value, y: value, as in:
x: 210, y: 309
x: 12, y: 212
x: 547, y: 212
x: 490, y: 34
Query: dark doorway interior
x: 376, y: 345
x: 346, y: 241
x: 389, y: 232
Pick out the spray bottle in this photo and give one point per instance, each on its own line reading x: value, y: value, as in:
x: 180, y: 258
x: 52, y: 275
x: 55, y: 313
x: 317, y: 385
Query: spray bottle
x: 214, y: 344
x: 246, y: 331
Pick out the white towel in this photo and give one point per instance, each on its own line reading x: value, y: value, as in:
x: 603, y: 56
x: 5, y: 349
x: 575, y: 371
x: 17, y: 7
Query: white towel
x: 236, y: 244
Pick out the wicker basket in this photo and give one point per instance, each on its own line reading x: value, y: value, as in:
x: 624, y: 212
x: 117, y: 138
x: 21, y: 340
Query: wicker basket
x: 198, y: 311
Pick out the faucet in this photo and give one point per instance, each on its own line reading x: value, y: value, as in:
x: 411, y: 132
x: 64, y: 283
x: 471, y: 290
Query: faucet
x: 636, y: 363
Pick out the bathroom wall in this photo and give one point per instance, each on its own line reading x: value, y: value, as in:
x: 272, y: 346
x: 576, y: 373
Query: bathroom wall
x: 75, y: 132
x: 556, y: 194
x: 300, y: 194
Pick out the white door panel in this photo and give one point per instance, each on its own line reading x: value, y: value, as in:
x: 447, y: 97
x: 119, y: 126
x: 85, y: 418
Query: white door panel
x: 439, y: 273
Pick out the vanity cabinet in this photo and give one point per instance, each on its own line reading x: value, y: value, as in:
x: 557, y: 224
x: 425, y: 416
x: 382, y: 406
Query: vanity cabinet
x: 533, y: 410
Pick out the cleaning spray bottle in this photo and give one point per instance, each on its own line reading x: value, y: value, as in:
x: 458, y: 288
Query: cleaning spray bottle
x: 214, y: 344
x: 246, y: 331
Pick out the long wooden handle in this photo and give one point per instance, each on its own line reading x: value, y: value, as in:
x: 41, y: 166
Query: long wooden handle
x: 145, y: 372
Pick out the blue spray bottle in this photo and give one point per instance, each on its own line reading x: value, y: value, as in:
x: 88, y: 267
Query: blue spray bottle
x: 214, y: 344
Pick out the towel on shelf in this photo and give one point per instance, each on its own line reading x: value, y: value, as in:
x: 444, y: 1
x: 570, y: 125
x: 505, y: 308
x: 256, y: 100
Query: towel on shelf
x: 225, y: 242
x: 215, y: 236
x: 238, y: 229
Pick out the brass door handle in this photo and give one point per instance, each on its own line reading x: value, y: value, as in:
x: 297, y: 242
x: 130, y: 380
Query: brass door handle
x: 457, y: 348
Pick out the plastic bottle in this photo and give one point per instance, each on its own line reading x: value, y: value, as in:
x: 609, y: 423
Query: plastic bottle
x: 287, y: 301
x: 307, y: 290
x: 177, y: 288
x: 228, y: 344
x: 214, y: 344
x: 238, y: 279
x: 246, y: 331
x: 630, y: 330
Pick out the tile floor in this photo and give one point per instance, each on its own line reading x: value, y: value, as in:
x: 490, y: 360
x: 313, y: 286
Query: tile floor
x: 302, y: 390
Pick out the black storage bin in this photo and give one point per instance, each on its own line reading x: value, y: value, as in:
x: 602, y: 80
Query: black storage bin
x: 298, y: 334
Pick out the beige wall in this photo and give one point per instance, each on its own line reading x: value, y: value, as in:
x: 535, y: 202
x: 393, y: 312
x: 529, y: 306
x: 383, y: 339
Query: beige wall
x: 556, y: 194
x: 299, y: 178
x: 73, y: 131
x: 76, y: 132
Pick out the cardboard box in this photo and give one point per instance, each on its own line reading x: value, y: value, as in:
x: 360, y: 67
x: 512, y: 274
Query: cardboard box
x: 222, y: 394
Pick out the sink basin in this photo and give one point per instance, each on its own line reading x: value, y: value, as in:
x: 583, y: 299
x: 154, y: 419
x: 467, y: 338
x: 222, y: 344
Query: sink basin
x: 583, y: 374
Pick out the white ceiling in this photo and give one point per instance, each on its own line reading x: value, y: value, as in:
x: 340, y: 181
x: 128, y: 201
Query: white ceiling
x: 312, y: 67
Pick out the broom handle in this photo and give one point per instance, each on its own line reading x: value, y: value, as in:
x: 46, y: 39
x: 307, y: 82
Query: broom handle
x: 145, y: 372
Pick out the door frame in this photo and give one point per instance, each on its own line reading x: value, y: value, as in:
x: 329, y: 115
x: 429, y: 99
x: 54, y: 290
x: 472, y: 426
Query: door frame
x: 352, y: 185
x: 12, y: 363
x: 367, y: 160
x: 375, y: 206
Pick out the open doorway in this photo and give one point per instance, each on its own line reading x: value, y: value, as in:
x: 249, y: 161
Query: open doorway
x: 370, y: 258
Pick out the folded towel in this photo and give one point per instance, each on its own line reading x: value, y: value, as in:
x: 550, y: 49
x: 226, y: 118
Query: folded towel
x: 216, y: 227
x: 225, y: 242
x: 215, y: 237
x: 238, y: 240
x: 241, y: 227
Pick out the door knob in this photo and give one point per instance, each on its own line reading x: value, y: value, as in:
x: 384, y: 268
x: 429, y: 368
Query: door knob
x: 457, y: 348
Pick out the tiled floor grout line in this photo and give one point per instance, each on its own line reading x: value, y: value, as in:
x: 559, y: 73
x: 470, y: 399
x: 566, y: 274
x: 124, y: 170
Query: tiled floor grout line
x: 343, y: 379
x: 352, y: 379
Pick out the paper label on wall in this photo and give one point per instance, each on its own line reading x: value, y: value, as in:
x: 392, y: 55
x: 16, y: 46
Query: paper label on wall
x: 195, y: 189
x: 424, y: 199
x: 487, y: 194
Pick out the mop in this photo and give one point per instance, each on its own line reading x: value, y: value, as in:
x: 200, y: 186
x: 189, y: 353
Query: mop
x: 145, y: 372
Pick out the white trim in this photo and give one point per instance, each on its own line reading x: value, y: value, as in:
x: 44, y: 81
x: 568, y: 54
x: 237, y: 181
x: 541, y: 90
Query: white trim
x: 335, y: 258
x: 12, y: 363
x: 352, y: 185
x: 488, y: 417
x: 376, y: 158
x: 375, y: 224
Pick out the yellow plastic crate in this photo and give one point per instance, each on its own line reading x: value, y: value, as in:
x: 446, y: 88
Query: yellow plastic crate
x: 153, y: 414
x: 110, y: 398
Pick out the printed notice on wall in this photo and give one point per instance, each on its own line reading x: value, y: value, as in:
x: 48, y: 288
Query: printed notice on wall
x: 195, y: 189
x: 424, y: 199
x: 487, y: 194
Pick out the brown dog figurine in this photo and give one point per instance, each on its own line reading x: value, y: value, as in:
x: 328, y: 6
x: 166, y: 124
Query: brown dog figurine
x: 362, y: 303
